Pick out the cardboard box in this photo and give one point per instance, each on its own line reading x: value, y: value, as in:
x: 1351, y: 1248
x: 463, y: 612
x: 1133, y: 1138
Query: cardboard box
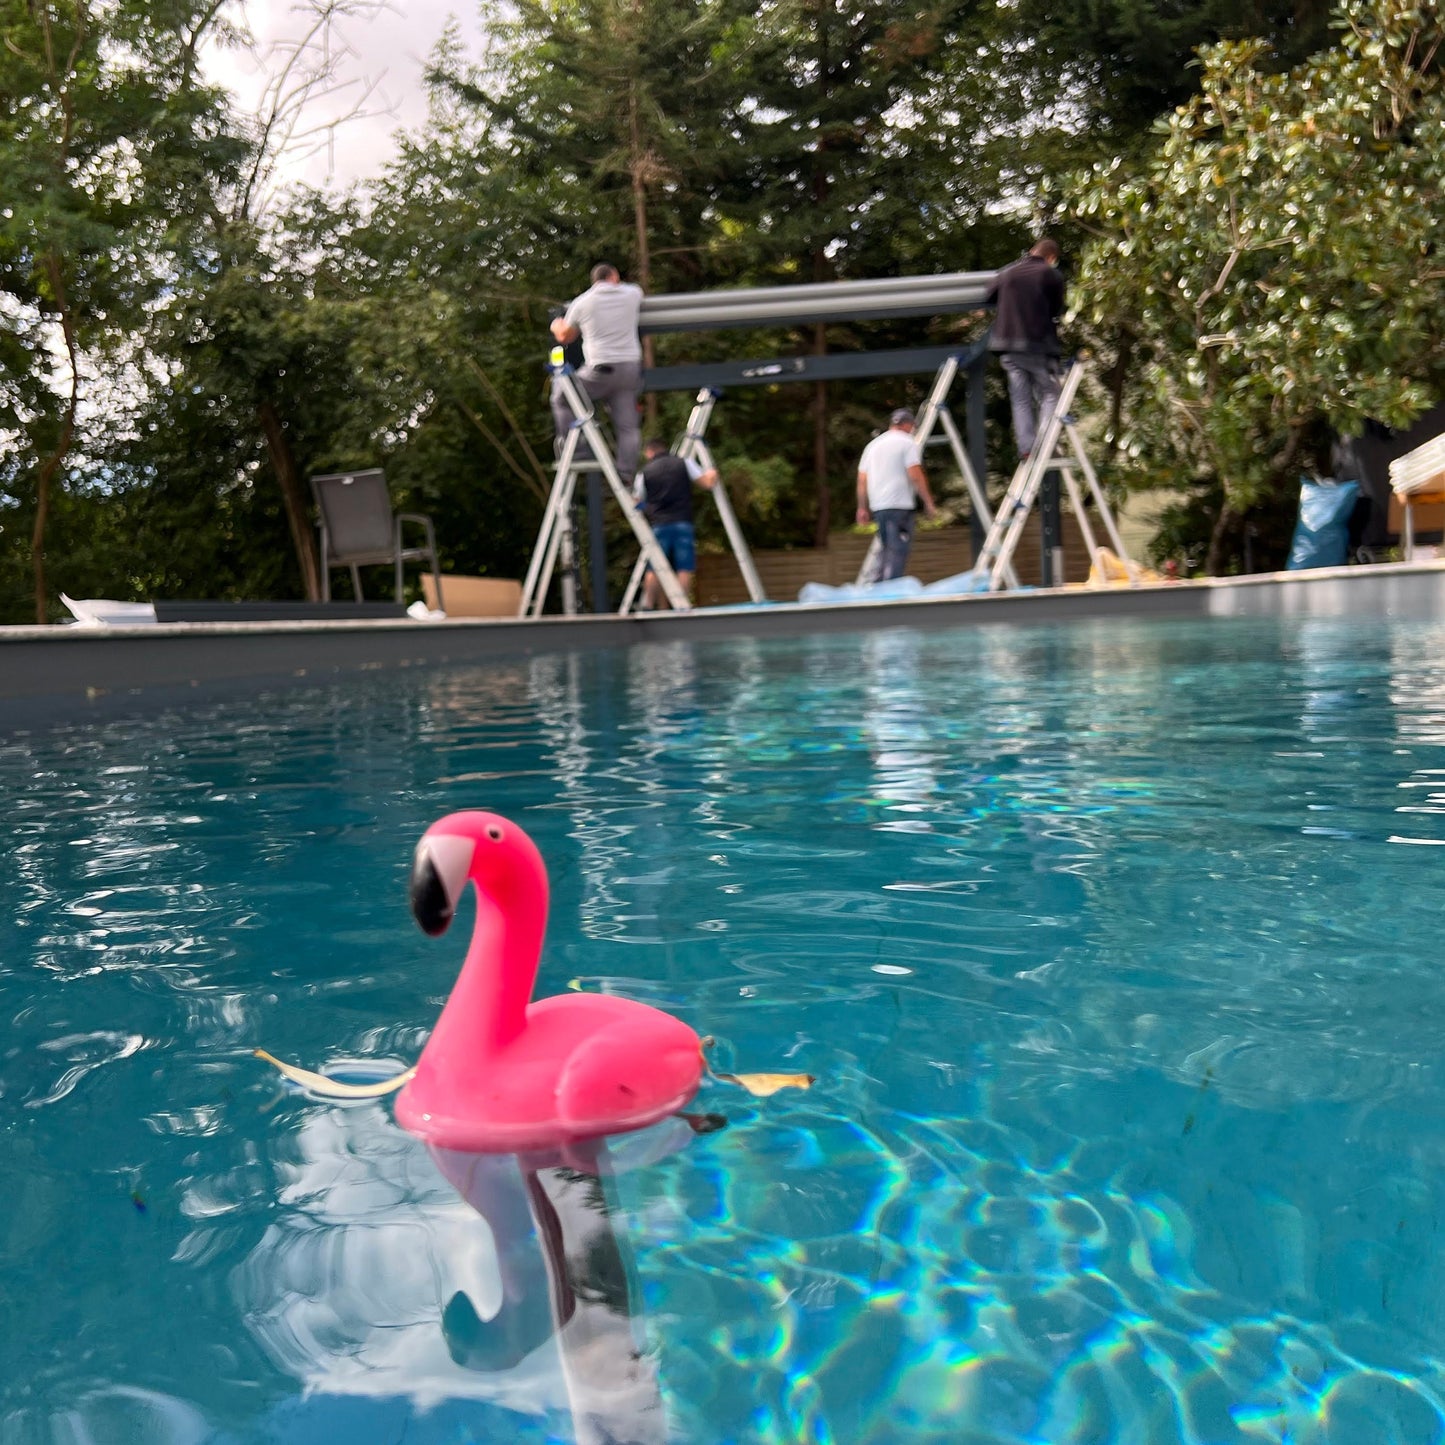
x: 474, y: 596
x: 1428, y: 509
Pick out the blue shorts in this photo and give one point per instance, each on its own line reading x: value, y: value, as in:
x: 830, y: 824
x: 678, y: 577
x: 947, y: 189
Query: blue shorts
x: 678, y: 545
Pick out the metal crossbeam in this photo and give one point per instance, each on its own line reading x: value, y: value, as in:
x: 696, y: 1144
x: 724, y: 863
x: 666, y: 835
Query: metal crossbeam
x: 836, y: 366
x: 880, y: 299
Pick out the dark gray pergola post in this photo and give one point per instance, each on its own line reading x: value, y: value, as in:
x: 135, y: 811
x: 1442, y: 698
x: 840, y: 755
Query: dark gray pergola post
x: 597, y: 543
x: 1051, y: 532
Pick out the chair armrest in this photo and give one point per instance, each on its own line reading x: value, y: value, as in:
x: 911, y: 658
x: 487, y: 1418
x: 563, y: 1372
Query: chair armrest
x: 431, y: 537
x: 421, y: 520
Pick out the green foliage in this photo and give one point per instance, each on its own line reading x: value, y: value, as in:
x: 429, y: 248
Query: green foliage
x: 1123, y: 63
x: 1271, y: 267
x: 696, y: 145
x: 757, y: 487
x: 105, y: 134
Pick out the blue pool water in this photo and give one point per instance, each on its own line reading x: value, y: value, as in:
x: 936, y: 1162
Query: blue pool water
x: 1115, y: 949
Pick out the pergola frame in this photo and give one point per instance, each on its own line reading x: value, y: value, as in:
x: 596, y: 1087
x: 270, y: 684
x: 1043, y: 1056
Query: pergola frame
x: 887, y: 298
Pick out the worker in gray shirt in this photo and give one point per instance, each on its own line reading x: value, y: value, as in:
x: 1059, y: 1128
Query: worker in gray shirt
x: 605, y: 317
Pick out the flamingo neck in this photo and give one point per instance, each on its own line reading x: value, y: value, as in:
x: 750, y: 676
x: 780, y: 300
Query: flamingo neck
x: 487, y: 1009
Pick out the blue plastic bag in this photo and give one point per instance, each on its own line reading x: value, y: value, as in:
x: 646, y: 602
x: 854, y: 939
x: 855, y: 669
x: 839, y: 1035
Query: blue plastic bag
x: 1322, y: 534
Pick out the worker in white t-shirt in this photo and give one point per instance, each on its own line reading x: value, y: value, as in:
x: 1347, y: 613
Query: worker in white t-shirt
x: 890, y: 481
x: 605, y: 317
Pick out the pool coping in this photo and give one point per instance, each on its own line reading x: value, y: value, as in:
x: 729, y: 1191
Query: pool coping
x: 50, y: 674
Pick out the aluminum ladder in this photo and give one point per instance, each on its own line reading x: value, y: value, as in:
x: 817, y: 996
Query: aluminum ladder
x: 694, y: 448
x: 555, y: 540
x: 996, y: 555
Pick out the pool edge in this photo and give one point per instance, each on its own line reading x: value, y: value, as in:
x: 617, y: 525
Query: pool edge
x: 53, y: 674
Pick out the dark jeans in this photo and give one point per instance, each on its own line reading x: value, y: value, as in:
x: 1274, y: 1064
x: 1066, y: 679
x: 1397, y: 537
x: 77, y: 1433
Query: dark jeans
x: 617, y: 384
x: 1031, y: 378
x: 895, y: 536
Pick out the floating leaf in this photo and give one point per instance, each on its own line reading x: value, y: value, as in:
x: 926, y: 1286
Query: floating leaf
x: 333, y: 1088
x: 761, y: 1085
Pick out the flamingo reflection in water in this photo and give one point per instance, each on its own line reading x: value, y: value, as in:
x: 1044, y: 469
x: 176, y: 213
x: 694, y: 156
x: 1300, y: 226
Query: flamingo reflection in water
x: 447, y: 1295
x: 566, y: 1272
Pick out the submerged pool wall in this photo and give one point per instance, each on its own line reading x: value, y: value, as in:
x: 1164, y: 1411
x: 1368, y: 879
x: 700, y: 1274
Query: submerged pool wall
x: 57, y: 674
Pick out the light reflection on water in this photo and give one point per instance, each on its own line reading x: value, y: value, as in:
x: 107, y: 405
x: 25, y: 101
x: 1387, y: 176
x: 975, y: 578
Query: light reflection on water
x: 1114, y: 949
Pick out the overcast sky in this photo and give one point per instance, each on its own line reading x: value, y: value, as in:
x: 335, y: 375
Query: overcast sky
x: 388, y: 48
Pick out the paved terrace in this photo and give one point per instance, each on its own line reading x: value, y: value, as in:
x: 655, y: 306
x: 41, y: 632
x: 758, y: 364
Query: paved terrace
x: 67, y: 674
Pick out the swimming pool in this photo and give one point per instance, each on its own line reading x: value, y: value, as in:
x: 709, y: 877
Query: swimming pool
x: 1115, y: 950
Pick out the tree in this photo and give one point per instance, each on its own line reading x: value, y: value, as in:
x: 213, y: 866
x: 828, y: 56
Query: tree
x: 836, y: 187
x: 1114, y: 66
x: 246, y: 323
x: 619, y: 122
x: 106, y: 131
x: 1272, y: 268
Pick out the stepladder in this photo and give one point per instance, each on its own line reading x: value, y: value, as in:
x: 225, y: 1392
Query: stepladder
x: 585, y: 449
x: 935, y: 416
x: 694, y: 448
x: 1057, y: 448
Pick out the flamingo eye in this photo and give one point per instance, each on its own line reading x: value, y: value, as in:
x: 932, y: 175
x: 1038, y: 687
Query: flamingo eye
x: 494, y: 833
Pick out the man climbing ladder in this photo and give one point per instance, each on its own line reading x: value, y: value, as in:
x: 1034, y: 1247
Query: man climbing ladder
x: 555, y: 541
x: 605, y: 317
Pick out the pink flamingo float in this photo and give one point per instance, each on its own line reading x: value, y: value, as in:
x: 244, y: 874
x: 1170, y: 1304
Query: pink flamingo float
x: 502, y: 1074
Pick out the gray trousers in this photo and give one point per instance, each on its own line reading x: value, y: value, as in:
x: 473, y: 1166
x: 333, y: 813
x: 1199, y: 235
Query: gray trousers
x: 616, y: 383
x: 1031, y: 378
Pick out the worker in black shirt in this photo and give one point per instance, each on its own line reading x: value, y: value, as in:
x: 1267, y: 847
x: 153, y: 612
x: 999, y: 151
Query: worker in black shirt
x: 666, y: 497
x: 1029, y: 296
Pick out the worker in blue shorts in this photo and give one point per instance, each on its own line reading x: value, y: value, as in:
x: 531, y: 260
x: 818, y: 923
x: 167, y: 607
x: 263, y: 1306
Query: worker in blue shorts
x: 666, y: 498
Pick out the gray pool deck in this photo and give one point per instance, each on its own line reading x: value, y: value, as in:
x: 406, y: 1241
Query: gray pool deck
x: 54, y: 674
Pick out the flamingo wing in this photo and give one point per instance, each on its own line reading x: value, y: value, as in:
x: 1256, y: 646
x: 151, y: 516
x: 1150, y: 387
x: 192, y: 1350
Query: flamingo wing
x: 614, y: 1080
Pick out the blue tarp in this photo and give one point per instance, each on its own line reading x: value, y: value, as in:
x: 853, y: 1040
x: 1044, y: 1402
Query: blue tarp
x: 962, y: 584
x: 867, y: 592
x: 1322, y: 534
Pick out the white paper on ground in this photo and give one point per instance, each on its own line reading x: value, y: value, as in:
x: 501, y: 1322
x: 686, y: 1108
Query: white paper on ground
x: 422, y: 613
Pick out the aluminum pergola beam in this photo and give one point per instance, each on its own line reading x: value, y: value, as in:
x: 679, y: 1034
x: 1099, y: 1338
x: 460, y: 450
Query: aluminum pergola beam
x: 837, y: 366
x: 887, y: 297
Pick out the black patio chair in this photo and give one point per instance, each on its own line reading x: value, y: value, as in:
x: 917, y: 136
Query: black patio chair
x: 359, y: 529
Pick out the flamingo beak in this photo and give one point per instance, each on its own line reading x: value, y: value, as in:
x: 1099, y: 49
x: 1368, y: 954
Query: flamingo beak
x: 439, y: 872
